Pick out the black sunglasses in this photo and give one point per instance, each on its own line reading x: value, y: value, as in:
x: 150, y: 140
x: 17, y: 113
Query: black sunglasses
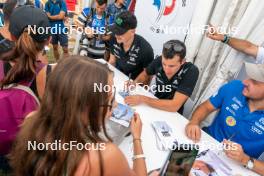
x: 176, y: 47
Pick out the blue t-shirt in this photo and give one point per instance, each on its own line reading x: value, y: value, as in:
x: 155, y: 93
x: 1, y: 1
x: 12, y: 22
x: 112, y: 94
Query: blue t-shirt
x: 89, y: 18
x: 235, y: 118
x: 113, y: 11
x: 95, y: 22
x: 55, y: 9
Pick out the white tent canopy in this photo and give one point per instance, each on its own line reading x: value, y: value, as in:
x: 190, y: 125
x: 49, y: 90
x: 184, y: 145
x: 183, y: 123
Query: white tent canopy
x: 218, y: 63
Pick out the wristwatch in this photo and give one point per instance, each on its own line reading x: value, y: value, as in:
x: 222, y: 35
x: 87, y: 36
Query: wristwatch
x: 250, y: 164
x: 226, y: 39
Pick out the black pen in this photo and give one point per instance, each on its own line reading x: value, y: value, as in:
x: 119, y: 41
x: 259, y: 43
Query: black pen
x: 129, y: 77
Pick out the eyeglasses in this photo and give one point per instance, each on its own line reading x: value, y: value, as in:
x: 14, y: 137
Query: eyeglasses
x: 176, y: 47
x: 112, y: 101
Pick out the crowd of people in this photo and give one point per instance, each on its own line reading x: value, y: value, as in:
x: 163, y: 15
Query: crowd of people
x: 45, y: 102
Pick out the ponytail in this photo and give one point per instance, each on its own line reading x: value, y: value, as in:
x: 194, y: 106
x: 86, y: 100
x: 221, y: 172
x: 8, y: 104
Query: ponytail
x: 24, y: 56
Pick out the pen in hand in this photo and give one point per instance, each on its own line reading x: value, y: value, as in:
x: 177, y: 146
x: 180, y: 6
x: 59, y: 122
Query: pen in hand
x: 229, y: 139
x: 232, y: 136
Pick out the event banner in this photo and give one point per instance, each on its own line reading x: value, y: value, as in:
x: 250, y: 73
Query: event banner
x: 163, y: 20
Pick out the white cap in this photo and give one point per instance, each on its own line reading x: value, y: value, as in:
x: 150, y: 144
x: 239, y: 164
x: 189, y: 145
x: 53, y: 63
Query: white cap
x: 255, y: 71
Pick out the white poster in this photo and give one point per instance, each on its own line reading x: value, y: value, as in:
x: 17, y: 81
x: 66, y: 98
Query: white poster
x: 163, y: 20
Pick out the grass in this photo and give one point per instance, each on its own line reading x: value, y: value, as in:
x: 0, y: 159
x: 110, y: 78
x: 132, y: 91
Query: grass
x: 50, y: 56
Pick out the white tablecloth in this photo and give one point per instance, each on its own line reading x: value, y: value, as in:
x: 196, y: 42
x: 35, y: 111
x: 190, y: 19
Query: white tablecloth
x: 155, y: 157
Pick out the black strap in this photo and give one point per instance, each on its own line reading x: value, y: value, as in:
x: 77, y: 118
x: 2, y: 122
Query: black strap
x: 89, y: 17
x: 48, y: 70
x: 5, y: 45
x: 7, y: 67
x: 33, y: 87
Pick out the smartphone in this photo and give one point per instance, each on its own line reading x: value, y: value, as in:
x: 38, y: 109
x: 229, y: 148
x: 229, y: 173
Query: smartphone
x: 180, y: 160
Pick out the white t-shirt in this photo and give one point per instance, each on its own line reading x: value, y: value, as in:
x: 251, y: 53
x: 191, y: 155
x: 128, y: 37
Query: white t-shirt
x: 260, y: 56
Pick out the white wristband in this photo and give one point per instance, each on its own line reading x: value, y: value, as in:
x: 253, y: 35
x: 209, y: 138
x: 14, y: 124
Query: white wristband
x: 138, y: 157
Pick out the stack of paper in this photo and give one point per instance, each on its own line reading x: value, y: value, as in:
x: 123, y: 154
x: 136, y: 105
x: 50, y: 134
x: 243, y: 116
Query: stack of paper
x: 165, y: 138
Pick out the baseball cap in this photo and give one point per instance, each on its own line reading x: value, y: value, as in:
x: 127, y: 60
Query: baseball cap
x: 255, y: 71
x: 124, y: 22
x: 27, y: 15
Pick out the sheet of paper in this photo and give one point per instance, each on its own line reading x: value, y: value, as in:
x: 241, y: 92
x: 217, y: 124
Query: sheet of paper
x: 123, y: 94
x: 122, y: 114
x: 208, y: 163
x: 164, y: 135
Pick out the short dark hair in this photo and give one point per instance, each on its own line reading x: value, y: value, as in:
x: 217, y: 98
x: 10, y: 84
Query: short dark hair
x: 8, y: 8
x: 172, y: 48
x: 101, y: 2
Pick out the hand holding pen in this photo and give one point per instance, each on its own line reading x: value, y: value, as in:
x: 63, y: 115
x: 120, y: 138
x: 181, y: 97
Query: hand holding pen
x: 226, y: 142
x: 129, y: 84
x: 236, y: 152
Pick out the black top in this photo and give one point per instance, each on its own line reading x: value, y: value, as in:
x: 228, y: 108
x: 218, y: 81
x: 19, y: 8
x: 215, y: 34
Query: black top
x: 138, y: 57
x: 33, y: 86
x: 183, y: 81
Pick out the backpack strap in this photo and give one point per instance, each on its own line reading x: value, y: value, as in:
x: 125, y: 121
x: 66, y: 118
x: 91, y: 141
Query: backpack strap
x: 107, y: 21
x: 106, y: 16
x: 24, y: 88
x: 89, y: 17
x: 40, y: 66
x: 5, y: 67
x: 32, y: 84
x: 48, y: 71
x: 49, y: 68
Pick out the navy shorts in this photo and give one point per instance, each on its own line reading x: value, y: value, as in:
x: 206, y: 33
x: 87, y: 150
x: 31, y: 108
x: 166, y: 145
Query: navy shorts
x: 60, y: 38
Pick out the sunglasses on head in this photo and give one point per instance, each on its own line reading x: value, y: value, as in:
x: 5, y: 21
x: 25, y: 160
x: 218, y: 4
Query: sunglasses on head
x: 176, y: 47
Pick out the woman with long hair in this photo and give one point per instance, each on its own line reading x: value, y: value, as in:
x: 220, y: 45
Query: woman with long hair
x: 21, y: 63
x: 74, y: 112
